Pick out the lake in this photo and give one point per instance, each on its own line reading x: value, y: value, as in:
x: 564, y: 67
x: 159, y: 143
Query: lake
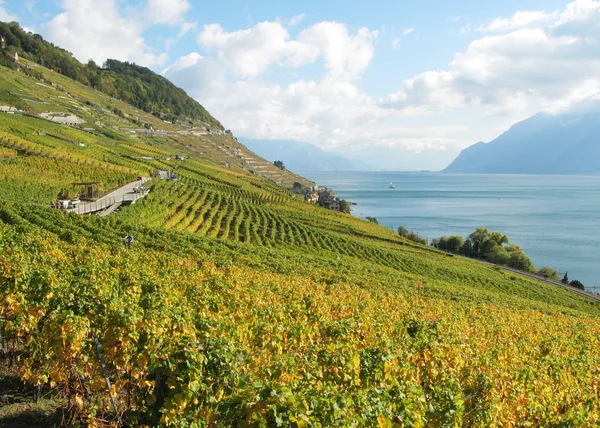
x: 555, y: 219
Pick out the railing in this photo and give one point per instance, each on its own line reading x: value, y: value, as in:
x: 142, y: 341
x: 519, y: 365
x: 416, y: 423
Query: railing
x: 105, y: 203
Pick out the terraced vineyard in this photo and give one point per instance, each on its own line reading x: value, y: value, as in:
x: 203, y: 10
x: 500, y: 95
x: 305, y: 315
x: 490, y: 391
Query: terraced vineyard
x: 241, y: 305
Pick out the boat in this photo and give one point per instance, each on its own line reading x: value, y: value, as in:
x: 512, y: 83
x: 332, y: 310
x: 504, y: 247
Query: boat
x: 391, y: 186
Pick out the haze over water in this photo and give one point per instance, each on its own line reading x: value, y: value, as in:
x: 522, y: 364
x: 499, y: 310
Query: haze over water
x: 555, y: 219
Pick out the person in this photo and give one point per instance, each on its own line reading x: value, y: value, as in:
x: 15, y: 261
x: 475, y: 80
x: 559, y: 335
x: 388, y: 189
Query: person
x: 129, y: 240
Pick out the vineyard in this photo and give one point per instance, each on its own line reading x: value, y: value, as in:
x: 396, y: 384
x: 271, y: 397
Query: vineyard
x: 241, y: 305
x: 199, y: 331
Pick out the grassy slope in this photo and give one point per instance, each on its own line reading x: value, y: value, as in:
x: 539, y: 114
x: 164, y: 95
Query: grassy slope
x: 27, y: 93
x: 256, y: 253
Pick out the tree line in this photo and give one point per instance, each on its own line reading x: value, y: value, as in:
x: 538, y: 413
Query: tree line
x: 493, y: 247
x: 138, y: 86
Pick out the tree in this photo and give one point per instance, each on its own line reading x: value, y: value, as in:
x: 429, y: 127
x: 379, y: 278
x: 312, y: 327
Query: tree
x: 372, y: 220
x: 577, y: 284
x: 498, y: 255
x: 519, y: 260
x: 479, y: 238
x: 548, y: 272
x: 402, y: 231
x: 411, y: 236
x: 467, y: 248
x: 279, y: 165
x: 498, y: 238
x: 565, y: 279
x: 455, y: 244
x: 344, y: 206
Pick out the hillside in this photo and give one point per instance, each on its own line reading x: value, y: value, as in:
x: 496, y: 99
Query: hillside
x: 239, y: 304
x: 542, y: 144
x: 304, y: 157
x: 133, y: 84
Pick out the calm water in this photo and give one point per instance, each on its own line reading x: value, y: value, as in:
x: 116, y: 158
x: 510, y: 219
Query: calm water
x: 555, y: 219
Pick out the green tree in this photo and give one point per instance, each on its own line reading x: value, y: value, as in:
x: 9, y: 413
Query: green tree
x: 402, y: 231
x: 478, y: 239
x: 565, y: 279
x: 344, y: 206
x: 372, y: 220
x: 279, y: 165
x: 499, y: 238
x: 577, y: 284
x: 548, y: 272
x: 519, y: 260
x: 498, y: 255
x: 455, y: 244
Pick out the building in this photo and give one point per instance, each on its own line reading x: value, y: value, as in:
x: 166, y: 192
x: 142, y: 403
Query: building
x: 313, y: 198
x: 332, y: 205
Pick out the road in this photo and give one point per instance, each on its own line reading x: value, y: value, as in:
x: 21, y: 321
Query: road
x: 113, y: 199
x: 592, y: 296
x: 125, y: 190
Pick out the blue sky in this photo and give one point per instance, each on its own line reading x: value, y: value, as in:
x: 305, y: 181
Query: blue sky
x: 403, y: 84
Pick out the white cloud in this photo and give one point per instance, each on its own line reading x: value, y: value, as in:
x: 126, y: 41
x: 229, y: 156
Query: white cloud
x: 249, y: 53
x: 345, y: 55
x: 94, y: 29
x: 330, y: 111
x: 520, y: 19
x: 185, y: 28
x: 295, y: 20
x: 183, y: 62
x: 4, y: 15
x: 513, y: 72
x: 580, y: 18
x: 167, y: 12
x: 528, y: 62
x: 408, y: 31
x: 582, y: 98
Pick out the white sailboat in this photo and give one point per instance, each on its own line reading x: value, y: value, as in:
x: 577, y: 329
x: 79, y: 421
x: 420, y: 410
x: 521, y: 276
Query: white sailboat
x: 391, y: 186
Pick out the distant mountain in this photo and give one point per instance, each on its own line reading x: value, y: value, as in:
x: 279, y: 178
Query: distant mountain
x: 542, y: 144
x: 304, y: 157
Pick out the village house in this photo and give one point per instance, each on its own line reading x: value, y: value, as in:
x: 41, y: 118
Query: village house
x: 332, y: 205
x: 313, y: 198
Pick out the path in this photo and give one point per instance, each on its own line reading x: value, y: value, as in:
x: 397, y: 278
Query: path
x: 554, y: 283
x: 109, y: 203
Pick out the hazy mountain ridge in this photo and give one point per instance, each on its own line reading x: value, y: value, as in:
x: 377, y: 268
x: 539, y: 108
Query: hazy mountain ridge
x: 543, y: 144
x: 304, y: 157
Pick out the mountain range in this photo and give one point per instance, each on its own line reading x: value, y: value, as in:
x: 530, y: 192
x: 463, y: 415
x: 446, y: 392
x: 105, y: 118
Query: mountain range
x: 304, y: 157
x: 565, y: 143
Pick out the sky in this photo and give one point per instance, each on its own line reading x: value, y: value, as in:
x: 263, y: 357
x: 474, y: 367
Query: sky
x: 402, y: 85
